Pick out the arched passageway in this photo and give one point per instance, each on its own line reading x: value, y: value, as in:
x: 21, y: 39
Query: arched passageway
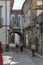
x: 16, y: 36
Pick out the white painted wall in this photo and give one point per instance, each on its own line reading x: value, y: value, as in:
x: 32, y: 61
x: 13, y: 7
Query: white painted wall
x: 3, y: 29
x: 2, y: 3
x: 8, y: 12
x: 2, y: 35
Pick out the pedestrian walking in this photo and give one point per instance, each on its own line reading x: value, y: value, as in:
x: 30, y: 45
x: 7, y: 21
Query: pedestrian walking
x: 21, y: 47
x: 33, y: 47
x: 1, y: 58
x: 17, y: 47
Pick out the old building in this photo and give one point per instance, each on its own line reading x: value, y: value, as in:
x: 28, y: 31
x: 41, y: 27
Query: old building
x: 27, y: 22
x: 31, y: 31
x: 5, y: 9
x: 16, y: 25
x: 27, y: 13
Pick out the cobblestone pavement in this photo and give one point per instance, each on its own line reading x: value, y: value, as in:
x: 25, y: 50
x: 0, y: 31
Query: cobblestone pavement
x: 18, y: 58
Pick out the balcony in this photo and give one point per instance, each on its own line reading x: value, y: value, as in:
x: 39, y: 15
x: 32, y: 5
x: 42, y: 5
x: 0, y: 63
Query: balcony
x: 1, y: 22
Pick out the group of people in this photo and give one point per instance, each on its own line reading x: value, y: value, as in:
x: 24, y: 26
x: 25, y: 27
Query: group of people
x: 19, y: 47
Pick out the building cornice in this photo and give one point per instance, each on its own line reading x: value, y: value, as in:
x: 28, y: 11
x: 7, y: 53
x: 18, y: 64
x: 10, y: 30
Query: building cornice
x: 16, y: 12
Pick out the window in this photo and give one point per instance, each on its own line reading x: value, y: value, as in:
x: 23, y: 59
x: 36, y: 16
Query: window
x: 39, y: 11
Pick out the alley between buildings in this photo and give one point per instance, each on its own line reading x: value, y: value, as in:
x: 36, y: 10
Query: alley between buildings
x: 18, y: 58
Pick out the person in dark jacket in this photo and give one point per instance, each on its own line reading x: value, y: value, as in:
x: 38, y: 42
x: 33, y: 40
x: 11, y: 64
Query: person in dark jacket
x: 17, y: 47
x: 21, y: 47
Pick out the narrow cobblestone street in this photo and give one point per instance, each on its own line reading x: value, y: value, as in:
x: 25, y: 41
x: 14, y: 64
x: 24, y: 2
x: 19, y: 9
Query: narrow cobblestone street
x: 21, y: 32
x: 18, y: 58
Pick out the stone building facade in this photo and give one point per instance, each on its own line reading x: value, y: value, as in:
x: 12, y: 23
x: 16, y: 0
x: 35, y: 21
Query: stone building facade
x: 16, y: 25
x: 31, y: 28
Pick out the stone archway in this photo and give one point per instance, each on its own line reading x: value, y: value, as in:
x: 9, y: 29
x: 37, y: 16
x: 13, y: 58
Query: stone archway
x: 17, y: 32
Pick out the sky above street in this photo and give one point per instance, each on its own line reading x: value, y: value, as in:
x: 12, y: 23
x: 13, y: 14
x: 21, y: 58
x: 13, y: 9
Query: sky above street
x: 18, y: 4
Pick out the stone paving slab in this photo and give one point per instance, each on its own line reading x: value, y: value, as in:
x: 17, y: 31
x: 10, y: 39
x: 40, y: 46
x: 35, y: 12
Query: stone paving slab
x: 39, y: 56
x: 18, y: 58
x: 7, y: 58
x: 29, y: 52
